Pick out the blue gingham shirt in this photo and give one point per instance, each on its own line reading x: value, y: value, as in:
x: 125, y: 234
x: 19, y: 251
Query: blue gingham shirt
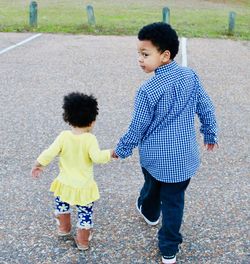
x: 163, y: 124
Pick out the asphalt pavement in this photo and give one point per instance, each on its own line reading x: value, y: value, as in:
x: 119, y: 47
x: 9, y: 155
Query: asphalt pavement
x: 35, y: 77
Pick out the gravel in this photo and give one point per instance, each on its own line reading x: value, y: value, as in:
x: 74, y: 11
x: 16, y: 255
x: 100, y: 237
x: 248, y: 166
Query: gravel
x: 34, y: 78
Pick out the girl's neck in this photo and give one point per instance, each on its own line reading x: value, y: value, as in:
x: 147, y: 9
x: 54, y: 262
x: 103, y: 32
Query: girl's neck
x: 80, y: 130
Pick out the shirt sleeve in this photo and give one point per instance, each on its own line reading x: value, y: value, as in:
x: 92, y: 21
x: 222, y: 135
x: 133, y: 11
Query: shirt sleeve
x: 97, y: 155
x: 140, y: 122
x: 206, y: 113
x: 51, y: 152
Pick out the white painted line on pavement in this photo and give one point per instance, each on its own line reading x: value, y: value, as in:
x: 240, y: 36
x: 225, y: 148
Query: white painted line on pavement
x: 20, y: 43
x: 184, y: 52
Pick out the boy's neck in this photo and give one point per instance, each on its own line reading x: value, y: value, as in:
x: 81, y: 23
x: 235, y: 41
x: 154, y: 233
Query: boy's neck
x: 169, y: 61
x: 165, y: 63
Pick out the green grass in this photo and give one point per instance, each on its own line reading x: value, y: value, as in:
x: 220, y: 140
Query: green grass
x: 125, y: 17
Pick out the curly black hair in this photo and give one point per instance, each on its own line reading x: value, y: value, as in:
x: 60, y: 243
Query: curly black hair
x: 80, y: 110
x: 162, y: 36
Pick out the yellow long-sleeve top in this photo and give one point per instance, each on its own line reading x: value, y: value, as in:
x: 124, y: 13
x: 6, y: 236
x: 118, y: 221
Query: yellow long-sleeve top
x: 75, y: 183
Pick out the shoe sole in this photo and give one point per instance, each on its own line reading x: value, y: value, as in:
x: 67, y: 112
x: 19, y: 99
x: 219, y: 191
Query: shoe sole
x: 60, y: 234
x: 81, y: 247
x: 169, y: 261
x: 145, y: 219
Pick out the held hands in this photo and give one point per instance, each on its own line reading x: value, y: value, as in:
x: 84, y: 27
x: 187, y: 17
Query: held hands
x: 113, y: 154
x: 211, y: 147
x: 36, y: 170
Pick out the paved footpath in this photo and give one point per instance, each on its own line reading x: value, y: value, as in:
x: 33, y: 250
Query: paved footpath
x: 34, y: 78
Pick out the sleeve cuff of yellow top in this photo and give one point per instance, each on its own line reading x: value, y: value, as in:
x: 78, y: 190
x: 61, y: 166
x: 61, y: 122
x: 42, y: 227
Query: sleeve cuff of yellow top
x: 42, y: 161
x: 107, y: 155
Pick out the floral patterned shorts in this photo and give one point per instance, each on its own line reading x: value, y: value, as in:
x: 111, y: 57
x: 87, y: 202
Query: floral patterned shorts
x: 84, y: 213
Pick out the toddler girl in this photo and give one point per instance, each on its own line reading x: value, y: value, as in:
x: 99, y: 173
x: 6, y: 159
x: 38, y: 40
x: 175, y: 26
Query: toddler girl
x: 77, y: 149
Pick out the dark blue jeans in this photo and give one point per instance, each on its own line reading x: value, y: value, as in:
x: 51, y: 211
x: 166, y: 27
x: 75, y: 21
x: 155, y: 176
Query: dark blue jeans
x: 168, y: 198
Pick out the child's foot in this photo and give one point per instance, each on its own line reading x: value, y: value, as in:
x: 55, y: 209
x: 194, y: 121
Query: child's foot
x: 64, y: 225
x: 169, y: 259
x: 152, y: 223
x: 83, y: 237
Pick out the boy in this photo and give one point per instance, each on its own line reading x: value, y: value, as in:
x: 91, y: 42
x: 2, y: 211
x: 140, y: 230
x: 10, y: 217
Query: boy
x: 163, y: 128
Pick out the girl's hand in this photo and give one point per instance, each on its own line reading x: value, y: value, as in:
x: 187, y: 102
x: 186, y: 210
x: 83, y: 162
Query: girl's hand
x: 113, y: 155
x: 211, y: 147
x: 36, y: 171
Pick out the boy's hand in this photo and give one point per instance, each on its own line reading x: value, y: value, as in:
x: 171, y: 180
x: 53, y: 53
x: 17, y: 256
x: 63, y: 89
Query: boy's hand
x: 211, y: 147
x: 113, y: 155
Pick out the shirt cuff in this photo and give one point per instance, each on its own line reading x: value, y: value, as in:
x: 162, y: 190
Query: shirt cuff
x: 119, y: 153
x: 210, y: 139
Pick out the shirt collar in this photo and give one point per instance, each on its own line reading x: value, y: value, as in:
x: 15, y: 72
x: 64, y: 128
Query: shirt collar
x: 166, y: 68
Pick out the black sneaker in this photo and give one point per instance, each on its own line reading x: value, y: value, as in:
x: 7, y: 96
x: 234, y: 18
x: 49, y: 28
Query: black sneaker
x: 168, y: 259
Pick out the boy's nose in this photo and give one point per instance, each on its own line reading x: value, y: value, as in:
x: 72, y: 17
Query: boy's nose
x: 140, y: 58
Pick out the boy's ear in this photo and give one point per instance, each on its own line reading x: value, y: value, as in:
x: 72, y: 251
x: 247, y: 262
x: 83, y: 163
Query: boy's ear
x: 166, y: 56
